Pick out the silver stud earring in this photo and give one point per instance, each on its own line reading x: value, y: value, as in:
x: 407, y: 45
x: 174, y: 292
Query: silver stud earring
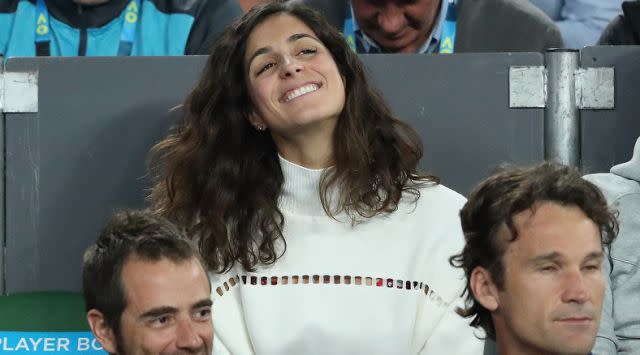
x: 261, y: 127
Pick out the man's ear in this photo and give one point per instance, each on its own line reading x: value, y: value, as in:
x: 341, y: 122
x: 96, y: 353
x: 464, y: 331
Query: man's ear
x: 102, y: 331
x: 484, y: 289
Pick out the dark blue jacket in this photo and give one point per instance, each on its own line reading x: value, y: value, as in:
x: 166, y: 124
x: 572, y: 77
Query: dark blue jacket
x: 624, y: 29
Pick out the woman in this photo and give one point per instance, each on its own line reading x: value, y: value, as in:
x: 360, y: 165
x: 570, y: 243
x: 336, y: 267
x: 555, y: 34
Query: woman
x: 302, y: 190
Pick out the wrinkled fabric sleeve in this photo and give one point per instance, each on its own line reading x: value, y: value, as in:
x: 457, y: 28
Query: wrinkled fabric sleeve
x: 218, y: 347
x: 619, y: 331
x: 625, y: 288
x: 606, y: 339
x: 454, y: 335
x: 6, y: 26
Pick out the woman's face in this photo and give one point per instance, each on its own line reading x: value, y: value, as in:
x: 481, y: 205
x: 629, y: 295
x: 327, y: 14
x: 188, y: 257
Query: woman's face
x: 293, y: 81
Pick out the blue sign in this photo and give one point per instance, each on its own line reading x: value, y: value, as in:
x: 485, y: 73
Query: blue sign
x: 49, y: 342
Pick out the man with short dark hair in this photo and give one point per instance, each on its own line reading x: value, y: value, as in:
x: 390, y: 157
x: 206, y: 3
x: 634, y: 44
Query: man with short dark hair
x: 533, y: 259
x: 146, y: 289
x: 440, y: 26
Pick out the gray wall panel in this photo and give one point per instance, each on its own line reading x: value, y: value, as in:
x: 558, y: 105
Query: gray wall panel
x: 608, y: 136
x: 460, y: 106
x: 83, y: 155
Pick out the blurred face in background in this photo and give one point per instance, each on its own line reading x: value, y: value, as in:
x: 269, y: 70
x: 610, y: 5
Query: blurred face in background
x: 397, y: 26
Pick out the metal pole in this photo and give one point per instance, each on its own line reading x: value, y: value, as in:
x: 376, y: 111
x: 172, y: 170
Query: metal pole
x: 561, y: 115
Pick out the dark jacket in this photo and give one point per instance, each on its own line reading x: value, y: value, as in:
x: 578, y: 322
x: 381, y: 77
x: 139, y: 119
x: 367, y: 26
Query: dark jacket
x: 482, y: 25
x: 624, y: 29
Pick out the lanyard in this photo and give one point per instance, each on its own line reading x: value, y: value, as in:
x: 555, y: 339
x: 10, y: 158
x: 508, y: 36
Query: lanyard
x: 349, y: 30
x: 127, y: 36
x: 447, y: 38
x: 43, y: 37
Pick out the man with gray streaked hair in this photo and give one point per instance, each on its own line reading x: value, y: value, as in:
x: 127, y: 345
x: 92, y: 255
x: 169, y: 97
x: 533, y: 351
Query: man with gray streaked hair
x: 440, y: 26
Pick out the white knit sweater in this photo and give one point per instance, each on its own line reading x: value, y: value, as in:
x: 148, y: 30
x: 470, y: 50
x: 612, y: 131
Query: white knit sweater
x: 384, y: 286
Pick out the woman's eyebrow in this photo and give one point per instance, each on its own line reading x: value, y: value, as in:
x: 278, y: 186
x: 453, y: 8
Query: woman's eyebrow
x: 294, y: 37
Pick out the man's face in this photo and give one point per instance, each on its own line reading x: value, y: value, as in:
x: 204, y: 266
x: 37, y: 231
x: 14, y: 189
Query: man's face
x: 553, y: 285
x: 397, y: 26
x: 168, y: 308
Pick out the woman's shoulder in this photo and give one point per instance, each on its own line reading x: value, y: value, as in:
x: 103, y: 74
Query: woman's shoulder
x: 440, y: 196
x: 432, y: 203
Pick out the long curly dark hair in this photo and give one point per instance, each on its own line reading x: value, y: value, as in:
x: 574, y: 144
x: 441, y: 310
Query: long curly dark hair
x: 221, y: 179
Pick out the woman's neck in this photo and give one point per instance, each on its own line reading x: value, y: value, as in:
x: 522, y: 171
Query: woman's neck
x: 301, y: 189
x: 312, y: 151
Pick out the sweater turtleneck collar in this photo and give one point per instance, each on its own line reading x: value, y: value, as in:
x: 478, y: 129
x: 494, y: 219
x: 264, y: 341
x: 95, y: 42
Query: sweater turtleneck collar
x: 300, y: 191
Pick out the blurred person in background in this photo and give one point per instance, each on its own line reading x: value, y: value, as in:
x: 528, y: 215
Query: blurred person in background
x: 112, y: 27
x: 625, y: 28
x: 440, y: 26
x: 580, y: 21
x: 620, y: 325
